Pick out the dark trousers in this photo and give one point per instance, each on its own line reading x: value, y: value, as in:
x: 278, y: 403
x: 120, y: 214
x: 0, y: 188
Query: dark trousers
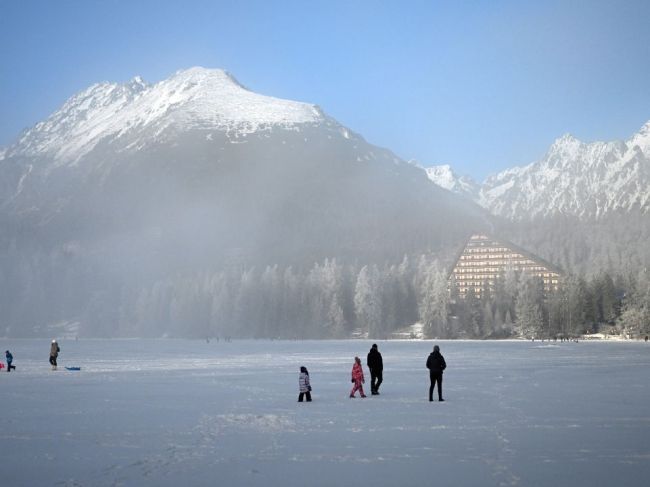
x: 435, y: 377
x: 53, y: 360
x: 308, y: 394
x: 376, y: 378
x: 9, y: 367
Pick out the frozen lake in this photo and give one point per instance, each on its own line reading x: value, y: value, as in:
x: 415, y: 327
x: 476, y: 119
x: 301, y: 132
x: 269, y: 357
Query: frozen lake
x: 181, y: 412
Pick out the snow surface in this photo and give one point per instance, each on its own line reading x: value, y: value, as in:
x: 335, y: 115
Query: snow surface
x: 180, y: 412
x: 196, y: 98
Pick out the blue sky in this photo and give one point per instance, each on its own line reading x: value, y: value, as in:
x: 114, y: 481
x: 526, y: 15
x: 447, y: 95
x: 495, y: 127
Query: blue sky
x: 481, y: 85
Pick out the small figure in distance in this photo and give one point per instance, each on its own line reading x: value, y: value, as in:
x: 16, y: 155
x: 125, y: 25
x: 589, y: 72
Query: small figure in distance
x: 646, y: 338
x: 304, y: 385
x: 376, y: 367
x: 436, y: 365
x: 10, y: 358
x: 357, y: 378
x: 54, y: 353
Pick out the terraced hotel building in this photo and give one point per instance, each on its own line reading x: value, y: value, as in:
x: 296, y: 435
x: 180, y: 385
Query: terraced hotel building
x: 484, y: 259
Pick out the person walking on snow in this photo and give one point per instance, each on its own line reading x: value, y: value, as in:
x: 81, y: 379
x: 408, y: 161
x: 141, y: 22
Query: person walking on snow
x: 10, y: 358
x: 304, y: 385
x: 54, y: 353
x: 376, y: 366
x: 357, y: 378
x: 436, y: 365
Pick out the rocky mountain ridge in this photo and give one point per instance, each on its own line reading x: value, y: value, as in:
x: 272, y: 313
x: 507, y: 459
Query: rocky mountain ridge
x: 574, y: 178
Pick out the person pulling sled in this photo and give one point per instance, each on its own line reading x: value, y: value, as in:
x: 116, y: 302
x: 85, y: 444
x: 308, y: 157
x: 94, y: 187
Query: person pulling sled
x: 54, y: 353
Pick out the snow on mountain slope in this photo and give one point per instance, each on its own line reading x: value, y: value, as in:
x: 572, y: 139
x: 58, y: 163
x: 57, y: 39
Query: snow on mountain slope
x: 642, y: 139
x: 587, y: 180
x: 575, y: 178
x: 445, y: 177
x: 192, y: 98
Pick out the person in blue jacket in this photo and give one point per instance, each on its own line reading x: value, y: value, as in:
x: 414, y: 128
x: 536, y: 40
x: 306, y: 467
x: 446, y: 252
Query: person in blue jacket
x: 10, y: 358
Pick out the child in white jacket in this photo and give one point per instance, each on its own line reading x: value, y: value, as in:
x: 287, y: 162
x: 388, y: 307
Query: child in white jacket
x: 303, y: 384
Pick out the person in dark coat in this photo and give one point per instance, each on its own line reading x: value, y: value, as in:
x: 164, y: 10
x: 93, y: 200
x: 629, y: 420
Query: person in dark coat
x: 10, y: 358
x: 54, y: 353
x: 376, y: 366
x: 436, y: 365
x: 303, y: 385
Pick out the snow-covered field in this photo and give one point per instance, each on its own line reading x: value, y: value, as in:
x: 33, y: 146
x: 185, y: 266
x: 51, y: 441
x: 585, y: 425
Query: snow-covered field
x: 180, y: 412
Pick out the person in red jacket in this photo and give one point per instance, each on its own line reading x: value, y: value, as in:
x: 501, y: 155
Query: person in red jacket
x: 357, y: 378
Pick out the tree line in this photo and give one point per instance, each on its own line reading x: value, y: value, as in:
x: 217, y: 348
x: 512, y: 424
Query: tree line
x: 334, y: 300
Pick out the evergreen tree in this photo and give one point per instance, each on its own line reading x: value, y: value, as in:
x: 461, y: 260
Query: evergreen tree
x: 471, y: 315
x: 529, y: 306
x: 434, y: 303
x: 635, y: 318
x: 577, y: 303
x: 367, y: 301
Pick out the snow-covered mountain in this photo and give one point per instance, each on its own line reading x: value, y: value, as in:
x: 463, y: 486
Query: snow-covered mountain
x: 141, y: 113
x: 127, y: 185
x: 586, y: 180
x: 575, y: 178
x: 445, y: 177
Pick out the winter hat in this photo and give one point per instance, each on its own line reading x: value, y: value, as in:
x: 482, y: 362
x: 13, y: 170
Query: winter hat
x: 304, y: 369
x: 374, y: 345
x: 436, y: 348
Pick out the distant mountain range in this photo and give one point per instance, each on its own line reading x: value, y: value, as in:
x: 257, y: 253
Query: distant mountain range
x: 574, y: 178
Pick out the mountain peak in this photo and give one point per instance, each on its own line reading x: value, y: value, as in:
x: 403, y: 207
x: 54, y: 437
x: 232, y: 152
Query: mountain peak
x: 642, y: 139
x: 137, y: 83
x: 446, y: 178
x: 567, y: 137
x: 199, y: 74
x: 575, y: 178
x: 566, y: 141
x: 192, y: 99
